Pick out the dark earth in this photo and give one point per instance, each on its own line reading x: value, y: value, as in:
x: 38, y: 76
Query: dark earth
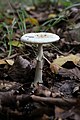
x: 58, y: 98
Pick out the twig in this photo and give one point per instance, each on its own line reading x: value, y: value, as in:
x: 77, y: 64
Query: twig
x: 12, y: 56
x: 55, y: 101
x: 46, y: 59
x: 57, y: 49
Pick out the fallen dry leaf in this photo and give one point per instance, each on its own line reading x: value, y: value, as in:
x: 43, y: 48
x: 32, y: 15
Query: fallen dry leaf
x: 22, y: 70
x: 58, y: 112
x: 9, y: 20
x: 15, y: 43
x: 10, y: 62
x: 51, y: 16
x: 2, y: 62
x: 70, y: 73
x: 32, y: 21
x: 57, y: 63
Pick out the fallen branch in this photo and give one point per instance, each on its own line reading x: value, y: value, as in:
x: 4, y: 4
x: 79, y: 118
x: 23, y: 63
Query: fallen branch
x: 68, y: 102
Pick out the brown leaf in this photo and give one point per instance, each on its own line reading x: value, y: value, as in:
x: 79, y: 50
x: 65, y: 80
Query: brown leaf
x: 70, y: 73
x: 23, y: 62
x: 2, y: 62
x: 58, y: 112
x: 22, y: 70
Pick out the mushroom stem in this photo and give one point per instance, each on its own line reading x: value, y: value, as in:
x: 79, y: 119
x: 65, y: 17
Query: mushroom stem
x: 38, y: 73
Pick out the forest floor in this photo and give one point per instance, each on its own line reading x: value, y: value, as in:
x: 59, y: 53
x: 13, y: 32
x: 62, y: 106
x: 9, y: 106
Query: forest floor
x: 58, y: 97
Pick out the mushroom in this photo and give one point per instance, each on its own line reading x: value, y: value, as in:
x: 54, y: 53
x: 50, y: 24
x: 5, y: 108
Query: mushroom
x: 40, y: 39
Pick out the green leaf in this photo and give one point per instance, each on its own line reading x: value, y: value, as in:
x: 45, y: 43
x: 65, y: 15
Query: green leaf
x: 66, y: 3
x: 15, y: 43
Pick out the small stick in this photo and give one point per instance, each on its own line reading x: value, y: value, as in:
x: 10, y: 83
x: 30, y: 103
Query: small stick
x: 55, y: 101
x: 46, y: 59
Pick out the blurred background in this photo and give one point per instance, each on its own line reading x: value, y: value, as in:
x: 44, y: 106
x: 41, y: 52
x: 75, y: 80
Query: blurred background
x: 5, y: 3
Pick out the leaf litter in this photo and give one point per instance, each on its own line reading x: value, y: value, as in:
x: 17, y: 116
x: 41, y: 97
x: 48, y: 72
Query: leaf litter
x: 59, y: 95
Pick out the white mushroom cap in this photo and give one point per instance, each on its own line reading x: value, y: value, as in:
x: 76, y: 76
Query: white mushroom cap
x: 40, y: 38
